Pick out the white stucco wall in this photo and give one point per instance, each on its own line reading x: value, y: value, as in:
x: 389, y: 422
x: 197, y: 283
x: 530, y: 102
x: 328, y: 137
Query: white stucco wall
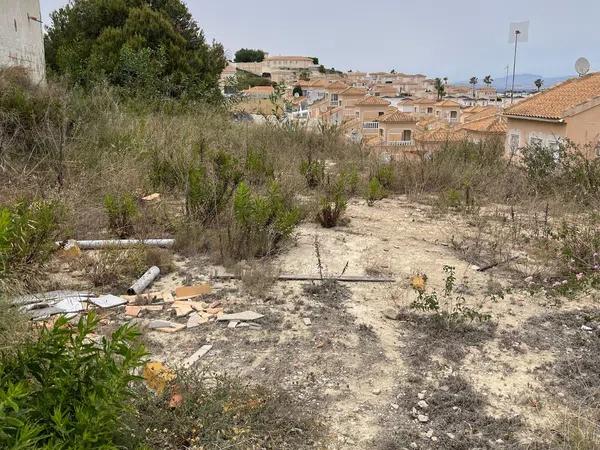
x: 21, y: 38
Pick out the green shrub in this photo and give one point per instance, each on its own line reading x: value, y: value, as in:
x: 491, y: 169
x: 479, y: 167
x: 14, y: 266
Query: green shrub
x: 385, y: 174
x: 332, y: 203
x: 580, y: 246
x: 375, y: 191
x: 121, y: 211
x: 351, y: 178
x: 211, y: 186
x: 449, y: 308
x: 28, y: 231
x: 263, y: 220
x: 259, y: 169
x: 313, y: 171
x: 67, y: 391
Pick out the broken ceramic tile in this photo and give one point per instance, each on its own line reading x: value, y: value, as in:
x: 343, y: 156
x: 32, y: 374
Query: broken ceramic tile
x: 190, y: 361
x: 188, y: 292
x: 108, y: 301
x: 243, y: 316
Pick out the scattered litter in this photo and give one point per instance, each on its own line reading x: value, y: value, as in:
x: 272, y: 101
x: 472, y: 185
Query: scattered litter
x: 153, y: 308
x: 343, y: 278
x: 167, y: 297
x: 586, y: 328
x: 132, y: 310
x: 182, y: 309
x: 140, y: 285
x: 307, y: 321
x: 70, y: 305
x: 44, y: 313
x: 195, y: 320
x: 233, y: 324
x: 176, y: 398
x: 152, y: 197
x: 166, y: 326
x: 243, y: 316
x: 214, y: 311
x: 69, y: 251
x: 108, y: 301
x: 157, y: 375
x: 215, y: 304
x: 189, y: 292
x: 422, y: 404
x: 48, y: 297
x: 189, y: 362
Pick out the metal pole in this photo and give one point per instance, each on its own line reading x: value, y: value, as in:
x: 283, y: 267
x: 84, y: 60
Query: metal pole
x: 506, y: 81
x: 512, y: 90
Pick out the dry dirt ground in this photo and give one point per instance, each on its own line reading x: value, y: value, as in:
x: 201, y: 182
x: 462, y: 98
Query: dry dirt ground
x: 494, y: 385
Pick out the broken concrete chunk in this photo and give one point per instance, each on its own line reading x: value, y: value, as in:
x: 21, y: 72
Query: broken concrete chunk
x: 153, y: 308
x: 132, y: 310
x: 423, y: 418
x: 182, y: 310
x: 44, y: 313
x: 188, y: 292
x: 49, y: 297
x: 108, y: 301
x: 154, y: 324
x: 243, y: 316
x: 232, y: 324
x: 179, y: 327
x: 189, y: 362
x: 168, y: 297
x: 307, y: 321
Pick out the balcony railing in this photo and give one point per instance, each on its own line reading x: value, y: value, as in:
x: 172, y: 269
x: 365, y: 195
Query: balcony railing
x: 452, y: 119
x: 371, y: 125
x: 334, y: 103
x: 400, y: 143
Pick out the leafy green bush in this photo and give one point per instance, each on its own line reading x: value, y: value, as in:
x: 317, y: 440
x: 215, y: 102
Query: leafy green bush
x: 67, y: 391
x: 211, y: 186
x: 121, y: 211
x: 385, y: 175
x: 580, y: 246
x: 264, y: 220
x: 449, y: 308
x: 375, y: 191
x: 313, y: 171
x: 332, y: 203
x: 259, y: 169
x: 28, y: 231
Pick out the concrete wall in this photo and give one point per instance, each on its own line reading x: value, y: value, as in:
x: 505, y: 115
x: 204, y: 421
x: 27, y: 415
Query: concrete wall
x: 21, y: 38
x: 584, y: 129
x: 548, y: 132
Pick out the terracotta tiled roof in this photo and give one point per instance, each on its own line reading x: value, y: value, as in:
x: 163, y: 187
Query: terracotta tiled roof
x: 441, y: 135
x: 447, y: 104
x: 482, y: 113
x: 371, y: 100
x: 494, y: 124
x: 556, y: 103
x: 354, y: 91
x: 423, y: 101
x: 397, y: 117
x: 319, y: 83
x: 336, y: 86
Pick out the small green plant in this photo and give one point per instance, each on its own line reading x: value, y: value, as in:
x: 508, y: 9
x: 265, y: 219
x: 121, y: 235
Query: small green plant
x: 332, y: 203
x: 259, y: 169
x: 375, y: 191
x: 385, y: 175
x: 66, y: 390
x: 121, y: 211
x: 264, y: 220
x: 351, y: 178
x: 211, y: 186
x: 451, y: 309
x: 313, y: 170
x: 28, y: 231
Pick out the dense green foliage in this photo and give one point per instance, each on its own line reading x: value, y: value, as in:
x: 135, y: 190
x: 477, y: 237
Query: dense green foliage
x: 120, y: 210
x: 65, y: 390
x: 152, y: 47
x: 249, y: 55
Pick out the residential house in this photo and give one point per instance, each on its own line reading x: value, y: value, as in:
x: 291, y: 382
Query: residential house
x: 448, y: 110
x: 332, y: 91
x: 22, y: 38
x: 370, y: 109
x: 259, y: 92
x: 397, y: 128
x: 424, y: 106
x: 480, y: 129
x: 567, y: 111
x: 348, y: 99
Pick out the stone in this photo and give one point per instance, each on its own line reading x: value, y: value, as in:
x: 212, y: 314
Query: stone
x: 413, y: 445
x: 153, y: 308
x: 394, y: 406
x: 421, y: 395
x: 243, y: 316
x: 376, y: 391
x: 233, y: 323
x: 182, y: 309
x: 190, y: 361
x: 451, y: 435
x: 429, y: 433
x: 391, y: 313
x: 422, y: 404
x: 307, y: 321
x: 154, y: 324
x: 586, y: 328
x: 188, y: 292
x: 423, y: 418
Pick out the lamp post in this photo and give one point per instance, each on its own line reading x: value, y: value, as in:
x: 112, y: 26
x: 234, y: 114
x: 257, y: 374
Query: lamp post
x: 512, y: 89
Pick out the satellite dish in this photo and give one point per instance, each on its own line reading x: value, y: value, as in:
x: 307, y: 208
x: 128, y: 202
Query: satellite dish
x: 582, y: 66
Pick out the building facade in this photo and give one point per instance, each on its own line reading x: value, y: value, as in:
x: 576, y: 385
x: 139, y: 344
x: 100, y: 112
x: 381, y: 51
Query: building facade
x: 21, y: 37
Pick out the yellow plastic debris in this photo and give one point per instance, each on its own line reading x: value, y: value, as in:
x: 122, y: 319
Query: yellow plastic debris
x: 418, y: 282
x: 158, y: 376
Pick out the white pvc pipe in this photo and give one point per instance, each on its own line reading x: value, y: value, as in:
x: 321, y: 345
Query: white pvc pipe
x: 140, y: 285
x: 120, y: 243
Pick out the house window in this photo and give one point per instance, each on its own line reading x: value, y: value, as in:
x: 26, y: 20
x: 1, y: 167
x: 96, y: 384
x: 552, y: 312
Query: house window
x: 407, y: 135
x: 535, y: 141
x: 380, y: 113
x: 429, y: 110
x: 514, y: 142
x: 381, y: 132
x: 453, y: 114
x: 357, y: 114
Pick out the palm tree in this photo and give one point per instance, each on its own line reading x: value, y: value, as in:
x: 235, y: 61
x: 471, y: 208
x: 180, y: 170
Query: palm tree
x: 440, y: 88
x: 488, y: 80
x: 474, y: 81
x: 538, y: 83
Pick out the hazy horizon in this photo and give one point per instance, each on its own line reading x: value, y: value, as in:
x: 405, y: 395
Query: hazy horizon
x: 456, y: 40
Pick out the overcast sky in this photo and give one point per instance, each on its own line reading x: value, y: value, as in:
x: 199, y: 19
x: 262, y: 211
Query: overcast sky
x: 457, y: 38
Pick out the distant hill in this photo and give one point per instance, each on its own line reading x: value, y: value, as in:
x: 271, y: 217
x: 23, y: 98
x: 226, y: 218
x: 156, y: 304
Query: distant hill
x: 523, y: 82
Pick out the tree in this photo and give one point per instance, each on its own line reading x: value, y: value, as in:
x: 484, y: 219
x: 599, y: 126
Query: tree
x: 315, y: 60
x: 488, y: 80
x: 249, y: 55
x: 149, y: 46
x: 473, y: 81
x: 539, y: 83
x: 297, y: 90
x: 440, y: 88
x: 322, y: 69
x: 304, y: 75
x: 393, y: 71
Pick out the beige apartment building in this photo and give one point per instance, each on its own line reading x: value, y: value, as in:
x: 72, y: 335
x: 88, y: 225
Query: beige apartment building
x: 369, y: 110
x: 569, y: 111
x: 447, y: 110
x: 397, y: 129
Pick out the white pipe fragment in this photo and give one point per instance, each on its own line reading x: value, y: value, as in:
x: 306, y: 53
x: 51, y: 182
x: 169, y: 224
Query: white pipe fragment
x: 140, y: 285
x: 120, y: 243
